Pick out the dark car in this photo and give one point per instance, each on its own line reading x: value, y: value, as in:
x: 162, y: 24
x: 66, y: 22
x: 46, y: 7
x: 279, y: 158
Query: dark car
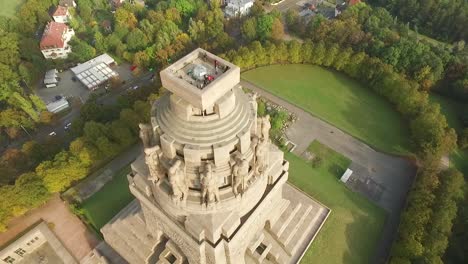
x: 58, y: 97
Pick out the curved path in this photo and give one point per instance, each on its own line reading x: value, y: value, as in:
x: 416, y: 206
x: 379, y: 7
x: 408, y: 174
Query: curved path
x: 383, y: 178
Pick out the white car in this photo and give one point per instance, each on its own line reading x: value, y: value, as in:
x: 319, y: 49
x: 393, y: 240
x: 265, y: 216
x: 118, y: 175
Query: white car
x: 52, y: 133
x: 135, y: 87
x: 67, y: 126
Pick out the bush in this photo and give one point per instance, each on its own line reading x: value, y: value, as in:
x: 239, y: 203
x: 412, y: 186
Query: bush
x: 261, y: 110
x: 317, y: 162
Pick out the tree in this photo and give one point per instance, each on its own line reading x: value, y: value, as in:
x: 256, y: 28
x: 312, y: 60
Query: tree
x: 38, y: 103
x: 319, y: 53
x: 13, y: 160
x: 249, y: 29
x: 81, y: 51
x: 136, y: 40
x: 196, y: 29
x: 141, y: 59
x: 130, y: 118
x: 125, y: 19
x: 173, y: 14
x: 93, y: 131
x: 60, y: 173
x: 46, y: 117
x: 25, y: 105
x: 100, y: 42
x: 264, y: 26
x: 9, y: 49
x: 33, y: 151
x: 277, y: 30
x: 185, y: 7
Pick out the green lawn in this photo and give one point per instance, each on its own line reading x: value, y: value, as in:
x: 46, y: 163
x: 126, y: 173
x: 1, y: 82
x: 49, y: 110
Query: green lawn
x: 352, y: 230
x: 9, y: 7
x: 451, y: 108
x: 108, y: 201
x: 338, y: 100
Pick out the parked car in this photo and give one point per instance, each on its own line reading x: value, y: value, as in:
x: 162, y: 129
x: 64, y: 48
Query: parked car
x: 52, y: 133
x: 58, y: 97
x: 67, y: 126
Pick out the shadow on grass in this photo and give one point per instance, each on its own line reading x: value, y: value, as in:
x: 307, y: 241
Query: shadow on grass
x: 107, y: 202
x: 336, y: 170
x: 368, y: 221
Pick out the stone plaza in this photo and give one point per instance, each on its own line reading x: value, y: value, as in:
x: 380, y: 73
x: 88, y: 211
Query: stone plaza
x: 210, y: 186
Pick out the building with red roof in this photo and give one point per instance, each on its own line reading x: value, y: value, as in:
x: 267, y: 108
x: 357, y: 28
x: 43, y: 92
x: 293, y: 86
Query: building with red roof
x: 54, y: 42
x: 61, y: 14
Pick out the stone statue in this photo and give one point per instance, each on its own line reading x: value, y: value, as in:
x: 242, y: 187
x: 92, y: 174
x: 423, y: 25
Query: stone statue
x: 240, y: 174
x: 209, y: 186
x: 254, y: 101
x: 148, y: 191
x: 154, y: 164
x: 178, y: 182
x: 146, y: 135
x: 260, y: 156
x: 266, y: 127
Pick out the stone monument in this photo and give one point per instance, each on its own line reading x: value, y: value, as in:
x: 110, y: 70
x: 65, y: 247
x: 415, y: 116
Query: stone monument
x: 210, y: 186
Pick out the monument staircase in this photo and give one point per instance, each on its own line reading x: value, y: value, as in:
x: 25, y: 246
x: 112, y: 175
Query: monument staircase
x: 279, y: 240
x: 127, y: 229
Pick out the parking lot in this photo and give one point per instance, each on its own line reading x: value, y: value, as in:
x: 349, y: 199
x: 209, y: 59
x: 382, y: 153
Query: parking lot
x: 75, y: 89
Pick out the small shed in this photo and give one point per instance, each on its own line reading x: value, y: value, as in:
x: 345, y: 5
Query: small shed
x: 58, y: 106
x: 51, y: 77
x: 346, y: 175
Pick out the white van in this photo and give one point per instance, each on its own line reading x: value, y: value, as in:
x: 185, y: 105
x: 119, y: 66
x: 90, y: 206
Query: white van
x: 50, y: 85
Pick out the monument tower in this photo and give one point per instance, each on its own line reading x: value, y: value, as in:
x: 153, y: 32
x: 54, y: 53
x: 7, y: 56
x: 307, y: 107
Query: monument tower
x: 210, y: 186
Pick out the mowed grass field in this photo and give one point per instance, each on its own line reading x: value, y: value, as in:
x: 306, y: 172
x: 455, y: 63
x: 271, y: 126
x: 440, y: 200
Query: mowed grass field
x: 8, y: 8
x: 107, y: 202
x: 338, y: 100
x: 352, y: 231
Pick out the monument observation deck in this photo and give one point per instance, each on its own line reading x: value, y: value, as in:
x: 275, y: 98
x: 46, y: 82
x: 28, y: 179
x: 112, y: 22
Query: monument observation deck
x: 200, y: 78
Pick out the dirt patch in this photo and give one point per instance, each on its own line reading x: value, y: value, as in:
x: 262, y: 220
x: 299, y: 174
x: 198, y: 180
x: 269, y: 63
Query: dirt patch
x: 65, y: 225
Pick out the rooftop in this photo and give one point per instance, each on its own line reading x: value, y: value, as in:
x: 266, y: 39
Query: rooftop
x: 66, y: 2
x: 200, y: 78
x: 60, y: 11
x: 96, y: 71
x: 53, y: 35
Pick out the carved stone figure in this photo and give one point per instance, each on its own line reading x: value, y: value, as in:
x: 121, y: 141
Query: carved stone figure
x: 254, y: 101
x: 266, y: 127
x: 146, y: 135
x: 240, y: 173
x: 178, y: 182
x: 154, y: 164
x: 209, y: 186
x: 260, y: 156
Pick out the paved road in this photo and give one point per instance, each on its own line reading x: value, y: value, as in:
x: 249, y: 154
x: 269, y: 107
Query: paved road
x: 383, y: 178
x: 42, y: 133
